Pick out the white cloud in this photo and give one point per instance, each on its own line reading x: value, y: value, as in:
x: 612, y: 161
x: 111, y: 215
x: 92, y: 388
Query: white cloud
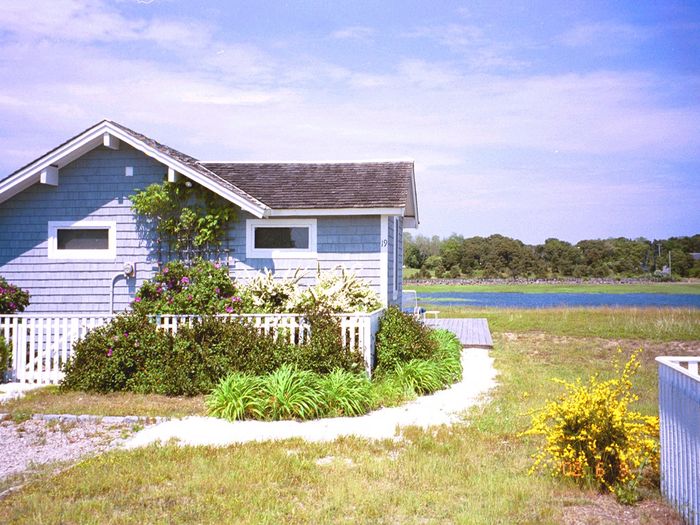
x: 353, y: 33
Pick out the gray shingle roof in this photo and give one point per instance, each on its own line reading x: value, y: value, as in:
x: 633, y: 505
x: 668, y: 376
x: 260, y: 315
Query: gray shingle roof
x: 321, y: 185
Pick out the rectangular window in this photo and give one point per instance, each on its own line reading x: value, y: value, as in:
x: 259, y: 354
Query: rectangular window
x: 276, y: 238
x: 280, y: 238
x: 92, y: 239
x: 82, y: 240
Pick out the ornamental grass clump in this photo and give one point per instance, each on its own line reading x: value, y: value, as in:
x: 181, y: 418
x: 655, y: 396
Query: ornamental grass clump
x: 593, y: 437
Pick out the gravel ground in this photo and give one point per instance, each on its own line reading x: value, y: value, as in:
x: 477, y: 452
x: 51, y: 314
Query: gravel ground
x: 33, y: 442
x: 443, y: 407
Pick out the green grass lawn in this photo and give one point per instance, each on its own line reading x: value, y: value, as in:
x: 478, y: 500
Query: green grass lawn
x: 468, y: 473
x: 661, y: 288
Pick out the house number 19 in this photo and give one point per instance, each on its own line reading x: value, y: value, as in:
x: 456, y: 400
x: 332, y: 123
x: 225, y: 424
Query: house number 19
x: 385, y: 243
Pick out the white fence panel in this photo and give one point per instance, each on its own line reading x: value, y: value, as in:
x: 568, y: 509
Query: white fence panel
x: 679, y: 414
x: 42, y: 344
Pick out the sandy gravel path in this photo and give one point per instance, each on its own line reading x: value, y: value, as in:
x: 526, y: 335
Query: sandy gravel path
x: 26, y: 444
x: 443, y: 407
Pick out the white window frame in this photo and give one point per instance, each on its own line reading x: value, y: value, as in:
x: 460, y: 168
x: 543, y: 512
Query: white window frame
x: 80, y: 255
x: 251, y: 252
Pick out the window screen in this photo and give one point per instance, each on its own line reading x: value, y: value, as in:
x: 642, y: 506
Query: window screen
x: 278, y: 238
x: 78, y: 239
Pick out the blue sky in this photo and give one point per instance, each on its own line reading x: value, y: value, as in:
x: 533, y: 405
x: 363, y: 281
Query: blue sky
x: 530, y: 119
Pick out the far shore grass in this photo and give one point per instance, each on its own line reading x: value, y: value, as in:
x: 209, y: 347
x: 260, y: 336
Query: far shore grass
x: 466, y: 473
x: 657, y: 288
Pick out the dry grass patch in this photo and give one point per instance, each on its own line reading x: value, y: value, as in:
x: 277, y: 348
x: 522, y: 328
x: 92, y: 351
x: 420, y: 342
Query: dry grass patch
x: 50, y: 400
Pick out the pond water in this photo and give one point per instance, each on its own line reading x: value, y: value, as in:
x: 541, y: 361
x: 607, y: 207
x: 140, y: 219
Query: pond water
x: 554, y: 300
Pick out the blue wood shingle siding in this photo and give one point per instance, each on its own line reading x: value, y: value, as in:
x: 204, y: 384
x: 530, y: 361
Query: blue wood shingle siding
x: 92, y: 187
x: 95, y: 187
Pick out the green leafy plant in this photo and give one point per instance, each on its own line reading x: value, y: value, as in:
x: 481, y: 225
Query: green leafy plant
x: 5, y: 356
x: 12, y: 298
x: 203, y: 287
x: 291, y: 393
x: 592, y: 436
x: 324, y: 351
x: 400, y: 339
x: 421, y: 376
x: 184, y: 214
x: 345, y: 393
x: 237, y: 396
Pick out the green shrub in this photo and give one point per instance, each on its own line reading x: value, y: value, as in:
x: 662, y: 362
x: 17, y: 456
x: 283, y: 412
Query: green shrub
x: 324, y: 351
x: 5, y: 355
x: 290, y: 393
x: 421, y: 376
x: 591, y: 435
x: 448, y: 355
x: 201, y: 288
x: 345, y: 393
x: 218, y: 346
x: 400, y: 339
x: 118, y: 356
x: 12, y: 298
x: 237, y: 396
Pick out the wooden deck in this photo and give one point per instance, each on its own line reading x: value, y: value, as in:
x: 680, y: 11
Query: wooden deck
x: 471, y: 332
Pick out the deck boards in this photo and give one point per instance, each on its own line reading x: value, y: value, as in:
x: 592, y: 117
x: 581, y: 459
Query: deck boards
x: 471, y: 332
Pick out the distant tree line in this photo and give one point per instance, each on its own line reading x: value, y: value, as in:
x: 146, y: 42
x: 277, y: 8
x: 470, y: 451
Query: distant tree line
x: 498, y: 256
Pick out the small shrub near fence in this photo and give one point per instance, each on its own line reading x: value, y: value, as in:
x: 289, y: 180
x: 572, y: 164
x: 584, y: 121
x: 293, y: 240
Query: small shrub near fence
x: 401, y: 338
x: 592, y: 436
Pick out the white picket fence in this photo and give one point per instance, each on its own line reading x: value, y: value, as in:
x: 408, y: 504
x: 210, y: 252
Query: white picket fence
x: 679, y: 415
x: 41, y: 344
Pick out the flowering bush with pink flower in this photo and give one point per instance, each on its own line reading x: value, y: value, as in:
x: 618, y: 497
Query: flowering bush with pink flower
x: 12, y: 298
x: 201, y: 288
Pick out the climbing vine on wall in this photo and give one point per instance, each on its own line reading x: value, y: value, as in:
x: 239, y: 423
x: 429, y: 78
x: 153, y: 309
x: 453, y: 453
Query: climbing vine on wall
x: 184, y: 214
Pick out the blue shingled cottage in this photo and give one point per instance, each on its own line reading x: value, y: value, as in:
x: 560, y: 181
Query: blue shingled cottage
x: 67, y: 229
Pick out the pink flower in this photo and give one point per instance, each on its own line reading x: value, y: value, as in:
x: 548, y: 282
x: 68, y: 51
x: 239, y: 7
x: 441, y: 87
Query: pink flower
x: 217, y: 266
x: 137, y: 300
x: 185, y: 280
x: 165, y: 270
x: 189, y: 297
x: 236, y: 299
x: 229, y: 309
x: 109, y: 353
x: 126, y: 334
x: 217, y: 291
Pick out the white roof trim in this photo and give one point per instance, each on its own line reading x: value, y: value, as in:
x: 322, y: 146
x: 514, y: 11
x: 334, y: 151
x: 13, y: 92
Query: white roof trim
x: 94, y: 137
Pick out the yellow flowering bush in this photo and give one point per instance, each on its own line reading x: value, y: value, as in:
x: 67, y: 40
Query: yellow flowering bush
x: 592, y: 436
